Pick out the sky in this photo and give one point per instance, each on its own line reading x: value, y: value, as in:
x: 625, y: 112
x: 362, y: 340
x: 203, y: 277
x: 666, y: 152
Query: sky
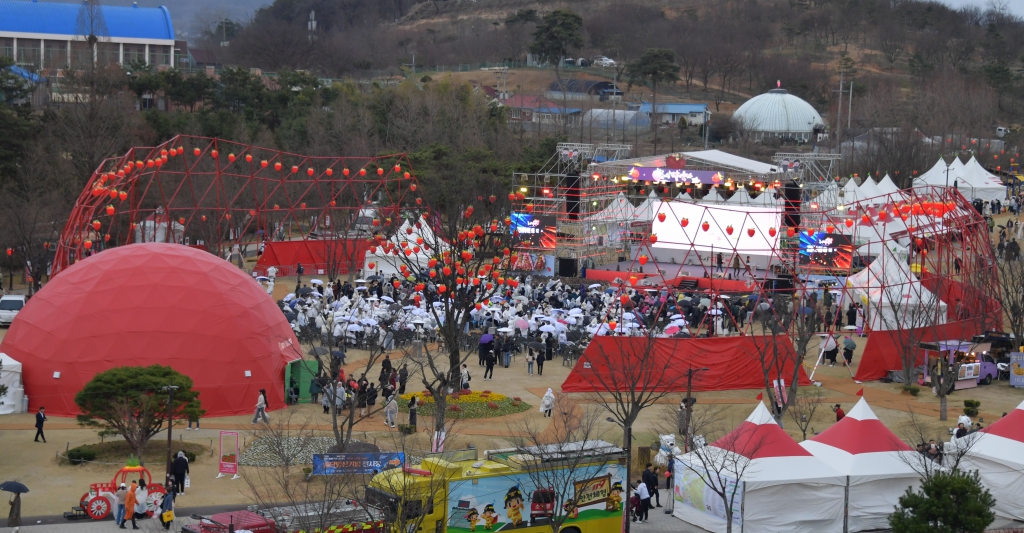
x: 1015, y: 6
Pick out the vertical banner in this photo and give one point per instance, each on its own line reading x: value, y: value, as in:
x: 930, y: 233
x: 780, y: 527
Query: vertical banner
x: 228, y: 453
x: 1017, y: 369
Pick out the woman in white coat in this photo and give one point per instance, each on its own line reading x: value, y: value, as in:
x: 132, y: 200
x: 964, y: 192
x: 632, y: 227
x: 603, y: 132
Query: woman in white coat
x: 547, y: 403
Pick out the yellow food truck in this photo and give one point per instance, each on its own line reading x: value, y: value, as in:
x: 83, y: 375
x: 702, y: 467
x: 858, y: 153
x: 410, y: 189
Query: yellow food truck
x: 523, y: 489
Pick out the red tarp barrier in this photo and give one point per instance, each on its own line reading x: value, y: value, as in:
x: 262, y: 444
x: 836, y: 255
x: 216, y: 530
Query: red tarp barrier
x: 147, y: 304
x: 882, y: 352
x: 313, y: 254
x: 732, y: 362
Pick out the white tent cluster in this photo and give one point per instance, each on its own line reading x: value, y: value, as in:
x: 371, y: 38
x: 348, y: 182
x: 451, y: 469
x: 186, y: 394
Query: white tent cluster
x: 971, y: 179
x: 857, y: 461
x: 10, y: 377
x: 894, y: 297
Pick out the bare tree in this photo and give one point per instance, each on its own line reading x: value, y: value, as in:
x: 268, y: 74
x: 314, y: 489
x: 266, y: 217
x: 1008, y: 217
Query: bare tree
x: 893, y: 39
x: 944, y: 457
x: 570, y: 458
x: 785, y: 333
x: 1011, y: 278
x: 804, y: 405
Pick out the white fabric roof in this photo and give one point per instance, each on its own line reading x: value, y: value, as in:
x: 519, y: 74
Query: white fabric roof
x: 869, y: 191
x: 897, y: 298
x: 851, y: 192
x: 712, y: 197
x: 985, y: 185
x: 886, y: 186
x: 645, y: 211
x: 10, y: 375
x: 684, y: 197
x: 618, y: 209
x: 391, y: 264
x: 780, y: 471
x: 999, y: 459
x: 9, y: 364
x: 740, y: 197
x: 734, y: 161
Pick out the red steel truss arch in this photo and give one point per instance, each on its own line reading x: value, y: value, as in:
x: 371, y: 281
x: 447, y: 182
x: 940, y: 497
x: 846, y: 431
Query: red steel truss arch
x: 214, y: 193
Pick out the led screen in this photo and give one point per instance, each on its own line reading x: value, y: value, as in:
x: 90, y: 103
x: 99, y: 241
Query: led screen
x: 535, y: 231
x: 826, y: 250
x: 726, y: 228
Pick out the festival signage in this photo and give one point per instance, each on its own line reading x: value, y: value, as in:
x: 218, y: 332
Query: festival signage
x: 534, y: 231
x: 691, y: 491
x: 1017, y: 369
x: 329, y: 464
x: 674, y: 175
x: 228, y: 453
x: 832, y: 251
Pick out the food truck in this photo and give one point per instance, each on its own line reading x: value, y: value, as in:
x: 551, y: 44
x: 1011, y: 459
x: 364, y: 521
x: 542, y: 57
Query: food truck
x: 456, y: 492
x: 972, y: 362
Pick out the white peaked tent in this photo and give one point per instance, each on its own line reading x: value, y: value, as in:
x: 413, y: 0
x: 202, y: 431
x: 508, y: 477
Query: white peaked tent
x: 887, y: 186
x: 645, y: 211
x: 869, y: 191
x: 740, y: 197
x: 618, y: 209
x: 766, y: 199
x: 712, y: 197
x: 851, y: 192
x: 684, y: 197
x: 998, y: 455
x: 874, y: 461
x: 936, y: 176
x: 893, y: 297
x: 386, y: 264
x: 984, y: 184
x: 782, y: 487
x: 10, y: 375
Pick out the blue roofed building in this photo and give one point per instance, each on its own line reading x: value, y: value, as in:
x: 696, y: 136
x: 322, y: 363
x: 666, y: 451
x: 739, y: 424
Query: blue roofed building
x: 672, y: 113
x: 53, y: 35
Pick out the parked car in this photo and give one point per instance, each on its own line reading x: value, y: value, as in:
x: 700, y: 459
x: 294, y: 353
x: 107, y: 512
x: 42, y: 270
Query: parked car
x: 602, y: 61
x: 10, y: 305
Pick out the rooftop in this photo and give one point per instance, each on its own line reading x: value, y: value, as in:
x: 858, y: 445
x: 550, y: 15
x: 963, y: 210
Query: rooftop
x: 675, y: 109
x: 70, y: 19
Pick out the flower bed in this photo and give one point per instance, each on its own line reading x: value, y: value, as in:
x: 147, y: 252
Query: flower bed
x: 470, y: 404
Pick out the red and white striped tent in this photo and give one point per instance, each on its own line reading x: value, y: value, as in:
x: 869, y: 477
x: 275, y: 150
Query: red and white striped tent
x: 998, y: 456
x: 781, y: 486
x: 876, y: 463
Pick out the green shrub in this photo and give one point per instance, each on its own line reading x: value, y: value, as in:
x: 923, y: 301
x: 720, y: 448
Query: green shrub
x: 308, y: 470
x: 914, y: 390
x: 191, y: 456
x: 424, y: 79
x: 81, y: 454
x: 971, y: 408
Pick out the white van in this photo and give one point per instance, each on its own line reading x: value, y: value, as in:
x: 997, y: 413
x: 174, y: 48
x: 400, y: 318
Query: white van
x: 10, y: 305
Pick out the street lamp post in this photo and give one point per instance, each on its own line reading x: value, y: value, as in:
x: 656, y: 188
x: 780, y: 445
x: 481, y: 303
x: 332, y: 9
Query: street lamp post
x: 10, y: 270
x: 689, y: 404
x: 169, y: 389
x: 627, y: 441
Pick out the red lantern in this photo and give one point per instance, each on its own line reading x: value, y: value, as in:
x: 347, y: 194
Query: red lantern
x: 333, y: 203
x: 830, y: 228
x: 407, y: 175
x: 790, y: 232
x: 493, y: 198
x: 106, y: 238
x: 213, y: 154
x: 310, y: 171
x: 654, y: 239
x: 728, y: 229
x: 277, y: 166
x: 661, y: 217
x: 181, y: 221
x: 380, y: 171
x: 632, y: 280
x: 529, y: 208
x: 330, y: 171
x: 865, y: 219
x: 705, y: 226
x: 441, y: 289
x: 750, y: 232
x: 684, y: 222
x: 412, y: 187
x: 398, y: 168
x: 204, y: 218
x: 362, y: 172
x: 150, y: 163
x: 113, y: 193
x: 810, y: 232
x: 248, y: 158
x: 87, y: 244
x: 611, y: 323
x: 849, y: 223
x: 511, y: 196
x: 10, y: 252
x: 772, y: 232
x: 302, y: 205
x: 397, y: 283
x: 110, y: 210
x: 96, y: 225
x: 263, y: 163
x: 173, y: 152
x: 295, y: 169
x: 196, y: 152
x: 122, y: 195
x: 642, y: 259
x: 231, y: 158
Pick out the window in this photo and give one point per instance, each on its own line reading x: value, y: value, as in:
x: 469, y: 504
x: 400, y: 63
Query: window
x: 517, y: 113
x: 28, y: 52
x: 55, y: 55
x: 8, y: 47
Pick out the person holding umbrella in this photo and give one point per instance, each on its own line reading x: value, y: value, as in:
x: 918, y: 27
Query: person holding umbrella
x: 17, y: 488
x: 848, y: 347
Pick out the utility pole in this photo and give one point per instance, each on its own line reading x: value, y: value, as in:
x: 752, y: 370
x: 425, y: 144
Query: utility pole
x: 849, y: 112
x: 627, y: 441
x: 707, y: 125
x: 169, y: 389
x: 689, y: 405
x: 839, y: 117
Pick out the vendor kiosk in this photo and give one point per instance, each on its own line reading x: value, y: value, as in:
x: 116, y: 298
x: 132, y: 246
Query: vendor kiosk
x: 971, y: 362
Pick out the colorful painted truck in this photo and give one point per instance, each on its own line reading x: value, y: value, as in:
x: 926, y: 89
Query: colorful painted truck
x: 456, y: 492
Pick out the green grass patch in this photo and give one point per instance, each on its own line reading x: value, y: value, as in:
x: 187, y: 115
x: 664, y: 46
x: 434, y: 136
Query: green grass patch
x: 118, y: 452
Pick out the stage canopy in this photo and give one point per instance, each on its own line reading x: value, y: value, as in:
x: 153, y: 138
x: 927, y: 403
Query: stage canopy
x: 733, y: 363
x: 875, y: 461
x: 998, y: 455
x: 154, y: 303
x: 986, y: 186
x: 385, y: 259
x: 893, y: 297
x: 771, y: 468
x: 316, y: 256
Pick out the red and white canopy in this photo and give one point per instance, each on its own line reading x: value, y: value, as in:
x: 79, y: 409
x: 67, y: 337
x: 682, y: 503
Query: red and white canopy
x: 862, y: 447
x: 998, y: 455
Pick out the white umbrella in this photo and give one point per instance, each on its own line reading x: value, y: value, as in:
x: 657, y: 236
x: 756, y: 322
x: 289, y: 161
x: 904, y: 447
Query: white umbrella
x: 369, y: 322
x: 676, y: 316
x: 355, y: 327
x: 388, y: 299
x: 570, y: 320
x: 594, y: 286
x: 418, y: 312
x: 361, y: 288
x: 547, y: 318
x: 262, y: 278
x: 547, y: 328
x: 628, y: 316
x: 505, y: 330
x: 408, y: 308
x: 289, y: 297
x: 317, y: 281
x: 576, y: 311
x: 715, y: 312
x: 360, y: 281
x: 438, y: 304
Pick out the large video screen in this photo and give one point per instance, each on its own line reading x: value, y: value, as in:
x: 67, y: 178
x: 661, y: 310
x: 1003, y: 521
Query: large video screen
x: 726, y: 228
x: 826, y: 250
x: 535, y: 231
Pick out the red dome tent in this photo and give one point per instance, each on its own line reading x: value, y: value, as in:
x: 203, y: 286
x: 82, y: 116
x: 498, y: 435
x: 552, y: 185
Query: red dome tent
x: 153, y: 303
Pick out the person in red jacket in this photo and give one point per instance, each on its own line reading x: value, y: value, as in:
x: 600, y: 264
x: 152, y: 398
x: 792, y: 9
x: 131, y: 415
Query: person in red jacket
x: 839, y: 412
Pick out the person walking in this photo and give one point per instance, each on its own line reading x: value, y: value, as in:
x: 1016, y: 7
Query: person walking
x: 179, y: 467
x: 720, y: 261
x: 840, y: 414
x: 848, y: 347
x: 403, y: 377
x: 650, y: 477
x: 413, y: 406
x: 299, y: 271
x: 141, y: 507
x: 14, y: 516
x: 167, y: 506
x: 645, y: 501
x: 314, y: 390
x: 529, y: 361
x: 391, y: 411
x: 540, y: 364
x: 261, y: 408
x: 547, y: 403
x: 464, y: 373
x: 40, y: 418
x: 121, y: 495
x: 193, y: 418
x: 489, y: 361
x: 130, y: 500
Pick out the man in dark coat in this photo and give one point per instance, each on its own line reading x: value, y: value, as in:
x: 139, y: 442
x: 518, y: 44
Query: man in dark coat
x: 40, y: 418
x: 403, y: 376
x: 179, y: 467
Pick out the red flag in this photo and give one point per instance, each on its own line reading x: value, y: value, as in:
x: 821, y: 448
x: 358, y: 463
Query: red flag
x: 860, y: 392
x: 760, y: 396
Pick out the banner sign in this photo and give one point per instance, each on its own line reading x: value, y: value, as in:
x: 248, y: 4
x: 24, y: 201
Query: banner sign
x: 691, y: 491
x: 329, y: 464
x: 1017, y: 369
x: 228, y: 452
x: 594, y: 490
x: 673, y: 175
